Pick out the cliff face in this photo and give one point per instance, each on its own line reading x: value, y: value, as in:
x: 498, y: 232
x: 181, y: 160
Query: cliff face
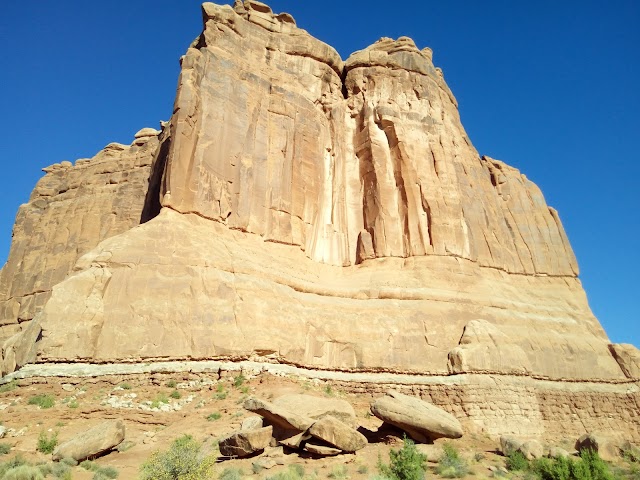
x: 318, y: 212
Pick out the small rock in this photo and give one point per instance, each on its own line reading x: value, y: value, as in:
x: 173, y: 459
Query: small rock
x: 557, y: 452
x: 322, y: 450
x: 252, y: 423
x: 3, y: 431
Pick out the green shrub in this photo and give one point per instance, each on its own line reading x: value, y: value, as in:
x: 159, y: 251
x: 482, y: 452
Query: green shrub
x: 363, y: 469
x: 183, y: 460
x: 59, y: 470
x: 16, y: 461
x: 339, y: 472
x: 104, y: 473
x: 451, y: 465
x: 405, y: 464
x: 160, y: 399
x: 175, y: 394
x: 4, y: 448
x: 231, y: 474
x: 293, y: 472
x: 42, y: 401
x: 23, y: 472
x: 89, y: 465
x: 125, y: 386
x: 71, y: 462
x: 46, y: 443
x: 8, y: 387
x: 239, y: 380
x: 589, y: 467
x: 73, y: 404
x: 172, y: 384
x: 220, y: 393
x: 214, y: 416
x: 516, y: 461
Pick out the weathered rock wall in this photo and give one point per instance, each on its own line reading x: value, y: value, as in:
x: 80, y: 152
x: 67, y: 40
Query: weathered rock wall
x: 71, y: 209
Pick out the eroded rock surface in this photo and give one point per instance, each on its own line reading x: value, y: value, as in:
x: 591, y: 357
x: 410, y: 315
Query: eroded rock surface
x: 327, y: 213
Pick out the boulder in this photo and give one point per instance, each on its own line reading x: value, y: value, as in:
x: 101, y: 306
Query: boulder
x: 245, y: 442
x: 423, y: 421
x: 252, y: 423
x: 338, y: 434
x: 318, y: 407
x: 279, y: 416
x: 147, y: 132
x: 557, y: 452
x: 92, y: 443
x: 321, y: 450
x: 509, y: 444
x: 607, y: 447
x: 532, y: 449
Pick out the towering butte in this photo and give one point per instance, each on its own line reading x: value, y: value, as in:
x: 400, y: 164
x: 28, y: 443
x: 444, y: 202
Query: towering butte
x: 327, y: 214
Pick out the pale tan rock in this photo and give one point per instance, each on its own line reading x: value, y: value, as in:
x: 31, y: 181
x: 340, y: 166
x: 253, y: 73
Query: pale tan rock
x: 321, y: 450
x: 252, y: 423
x: 245, y: 442
x: 276, y: 415
x: 70, y: 211
x: 318, y: 407
x: 433, y: 451
x: 530, y: 448
x: 147, y: 132
x: 308, y: 203
x: 606, y: 446
x: 338, y: 434
x: 557, y: 452
x: 92, y: 443
x: 424, y: 422
x: 628, y: 357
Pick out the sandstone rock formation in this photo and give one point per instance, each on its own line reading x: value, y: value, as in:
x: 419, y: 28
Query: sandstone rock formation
x: 94, y: 442
x: 423, y: 421
x: 245, y: 442
x: 302, y: 209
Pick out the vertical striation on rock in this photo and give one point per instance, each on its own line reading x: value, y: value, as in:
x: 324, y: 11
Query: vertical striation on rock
x: 309, y: 210
x: 70, y: 211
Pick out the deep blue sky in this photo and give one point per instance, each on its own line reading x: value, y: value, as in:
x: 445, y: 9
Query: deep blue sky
x: 552, y: 88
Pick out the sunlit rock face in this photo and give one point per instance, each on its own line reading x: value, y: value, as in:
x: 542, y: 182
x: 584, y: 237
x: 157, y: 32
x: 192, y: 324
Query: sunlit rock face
x: 327, y: 213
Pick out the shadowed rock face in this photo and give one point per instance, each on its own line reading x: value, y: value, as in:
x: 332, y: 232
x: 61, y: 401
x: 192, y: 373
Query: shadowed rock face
x: 329, y: 214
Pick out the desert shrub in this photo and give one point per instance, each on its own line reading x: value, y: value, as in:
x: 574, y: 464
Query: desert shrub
x: 631, y: 453
x: 11, y: 463
x: 339, y: 472
x: 104, y: 473
x: 73, y: 403
x: 184, y: 461
x: 239, y: 380
x: 8, y: 387
x: 175, y: 394
x: 160, y: 399
x: 231, y: 474
x: 451, y: 465
x: 220, y: 393
x: 293, y: 472
x: 47, y: 443
x: 214, y: 416
x: 4, y: 448
x: 89, y: 465
x: 407, y: 463
x: 516, y: 461
x: 172, y: 383
x: 42, y: 401
x: 125, y: 386
x: 58, y: 470
x: 23, y: 472
x: 589, y: 467
x: 363, y: 469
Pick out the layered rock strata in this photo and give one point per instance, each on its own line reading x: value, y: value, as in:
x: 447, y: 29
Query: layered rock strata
x: 70, y: 211
x: 325, y: 213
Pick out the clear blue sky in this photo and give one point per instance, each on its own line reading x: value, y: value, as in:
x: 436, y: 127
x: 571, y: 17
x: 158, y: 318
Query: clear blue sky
x: 550, y: 87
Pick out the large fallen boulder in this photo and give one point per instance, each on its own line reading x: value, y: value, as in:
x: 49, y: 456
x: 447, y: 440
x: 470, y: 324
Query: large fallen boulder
x: 278, y: 416
x: 92, y: 443
x: 338, y: 434
x: 245, y: 442
x: 318, y: 407
x: 423, y: 421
